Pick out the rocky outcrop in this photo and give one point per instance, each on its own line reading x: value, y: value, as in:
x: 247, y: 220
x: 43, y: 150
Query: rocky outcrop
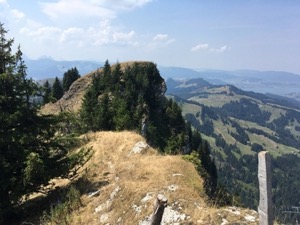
x: 72, y: 99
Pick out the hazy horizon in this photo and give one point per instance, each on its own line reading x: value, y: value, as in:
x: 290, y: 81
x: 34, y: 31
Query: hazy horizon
x: 219, y: 35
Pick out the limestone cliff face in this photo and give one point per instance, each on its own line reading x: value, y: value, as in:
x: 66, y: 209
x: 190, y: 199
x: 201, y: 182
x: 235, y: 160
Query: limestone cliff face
x: 72, y: 100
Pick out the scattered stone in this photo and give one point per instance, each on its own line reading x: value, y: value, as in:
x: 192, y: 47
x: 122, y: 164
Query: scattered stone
x: 139, y: 147
x: 108, y: 203
x: 94, y: 193
x: 104, y: 218
x: 103, y: 206
x: 148, y: 196
x: 250, y: 218
x: 173, y: 187
x: 177, y: 174
x: 234, y: 210
x: 145, y: 221
x: 114, y: 193
x: 137, y: 209
x: 224, y: 221
x: 171, y: 216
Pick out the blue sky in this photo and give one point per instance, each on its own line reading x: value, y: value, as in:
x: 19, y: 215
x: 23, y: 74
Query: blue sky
x: 208, y: 34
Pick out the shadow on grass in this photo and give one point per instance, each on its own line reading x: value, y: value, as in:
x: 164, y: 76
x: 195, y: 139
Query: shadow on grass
x: 31, y: 211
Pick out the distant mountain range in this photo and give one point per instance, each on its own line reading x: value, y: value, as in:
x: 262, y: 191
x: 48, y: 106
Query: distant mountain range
x: 44, y: 68
x: 273, y: 82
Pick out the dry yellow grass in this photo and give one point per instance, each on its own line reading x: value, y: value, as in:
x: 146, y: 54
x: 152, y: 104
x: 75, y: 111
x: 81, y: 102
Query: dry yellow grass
x: 124, y: 180
x: 135, y: 175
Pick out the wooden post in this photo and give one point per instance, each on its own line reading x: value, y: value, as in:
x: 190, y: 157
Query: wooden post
x: 265, y: 210
x: 159, y: 207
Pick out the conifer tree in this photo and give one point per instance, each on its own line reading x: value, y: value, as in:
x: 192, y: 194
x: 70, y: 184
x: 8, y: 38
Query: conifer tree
x: 106, y: 76
x: 30, y: 153
x: 57, y: 89
x: 88, y: 111
x: 69, y: 77
x: 47, y: 92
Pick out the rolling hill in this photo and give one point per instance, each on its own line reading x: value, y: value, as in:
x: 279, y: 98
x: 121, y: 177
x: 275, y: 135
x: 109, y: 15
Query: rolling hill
x: 238, y: 124
x: 274, y: 82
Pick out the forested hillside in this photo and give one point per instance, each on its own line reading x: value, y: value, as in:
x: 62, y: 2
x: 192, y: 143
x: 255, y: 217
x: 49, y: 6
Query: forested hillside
x: 131, y: 96
x: 240, y: 124
x: 40, y: 144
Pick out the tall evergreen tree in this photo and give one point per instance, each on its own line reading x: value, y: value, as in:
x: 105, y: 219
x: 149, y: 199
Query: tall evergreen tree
x: 105, y: 76
x: 30, y: 153
x: 6, y: 58
x: 89, y: 107
x: 47, y: 92
x: 57, y: 89
x: 69, y: 77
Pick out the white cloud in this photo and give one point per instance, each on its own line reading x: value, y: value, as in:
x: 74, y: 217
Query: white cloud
x: 42, y: 34
x: 89, y: 11
x: 221, y: 49
x: 76, y: 9
x: 79, y: 36
x: 9, y: 14
x: 161, y: 40
x: 105, y: 9
x: 121, y: 4
x: 77, y: 25
x: 72, y: 34
x: 206, y: 46
x: 161, y: 37
x: 123, y: 37
x: 16, y: 14
x: 133, y: 3
x: 4, y: 2
x: 199, y: 47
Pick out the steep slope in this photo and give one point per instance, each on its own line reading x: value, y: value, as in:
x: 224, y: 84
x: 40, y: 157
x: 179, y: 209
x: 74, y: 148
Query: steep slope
x: 72, y: 99
x: 121, y: 186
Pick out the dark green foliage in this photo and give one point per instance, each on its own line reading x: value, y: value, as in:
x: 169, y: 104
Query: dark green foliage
x: 238, y: 172
x: 69, y: 77
x: 88, y: 113
x: 205, y: 165
x: 124, y: 99
x: 57, y: 89
x: 256, y: 147
x: 285, y: 194
x: 240, y: 134
x: 30, y: 151
x: 47, y: 92
x: 121, y: 99
x: 245, y: 109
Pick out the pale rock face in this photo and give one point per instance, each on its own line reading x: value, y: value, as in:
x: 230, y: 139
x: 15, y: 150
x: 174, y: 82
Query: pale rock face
x: 139, y: 147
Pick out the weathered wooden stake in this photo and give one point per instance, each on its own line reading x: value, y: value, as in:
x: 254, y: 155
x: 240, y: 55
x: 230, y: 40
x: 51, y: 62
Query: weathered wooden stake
x: 265, y: 210
x: 159, y: 207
